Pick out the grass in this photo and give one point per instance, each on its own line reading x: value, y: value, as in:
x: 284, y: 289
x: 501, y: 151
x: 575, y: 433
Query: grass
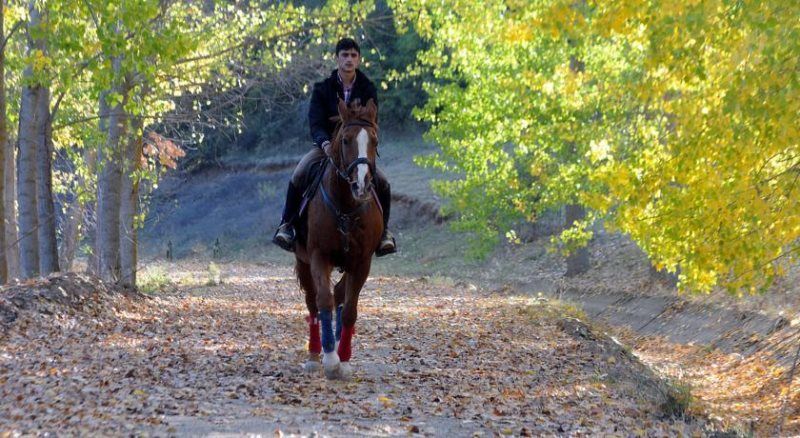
x: 680, y: 401
x: 153, y: 280
x: 214, y: 275
x: 427, y: 250
x: 267, y: 190
x: 549, y: 310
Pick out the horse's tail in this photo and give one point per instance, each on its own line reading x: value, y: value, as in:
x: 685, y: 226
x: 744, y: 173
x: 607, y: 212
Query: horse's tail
x: 302, y: 272
x: 298, y: 271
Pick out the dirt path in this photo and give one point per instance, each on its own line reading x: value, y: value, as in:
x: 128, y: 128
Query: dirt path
x: 435, y: 359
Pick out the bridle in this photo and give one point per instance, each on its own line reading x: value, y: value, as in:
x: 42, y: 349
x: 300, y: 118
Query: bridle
x: 346, y: 220
x: 345, y: 174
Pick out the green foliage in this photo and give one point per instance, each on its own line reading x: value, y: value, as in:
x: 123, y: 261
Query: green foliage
x: 153, y: 281
x: 259, y: 107
x: 266, y: 114
x: 389, y: 53
x: 671, y: 122
x: 190, y: 70
x: 214, y: 275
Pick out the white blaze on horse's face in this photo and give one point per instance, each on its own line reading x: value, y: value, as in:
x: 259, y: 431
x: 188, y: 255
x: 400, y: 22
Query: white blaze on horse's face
x: 363, y: 145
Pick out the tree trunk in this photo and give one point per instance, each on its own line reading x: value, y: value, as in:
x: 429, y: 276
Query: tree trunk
x: 109, y: 190
x: 74, y: 222
x: 130, y: 205
x: 10, y: 192
x: 3, y: 140
x: 72, y: 234
x: 48, y: 247
x: 26, y: 180
x: 578, y: 261
x: 30, y: 134
x: 93, y: 263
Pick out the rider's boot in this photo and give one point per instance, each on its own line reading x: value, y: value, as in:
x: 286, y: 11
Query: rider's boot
x: 285, y: 236
x: 388, y: 244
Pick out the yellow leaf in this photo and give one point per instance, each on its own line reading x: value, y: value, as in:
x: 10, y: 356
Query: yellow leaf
x: 386, y: 401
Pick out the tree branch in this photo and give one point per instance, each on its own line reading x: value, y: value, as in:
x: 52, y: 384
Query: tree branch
x: 15, y: 28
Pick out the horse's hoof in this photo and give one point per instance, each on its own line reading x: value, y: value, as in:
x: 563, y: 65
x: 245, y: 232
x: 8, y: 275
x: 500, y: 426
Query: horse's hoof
x: 331, y: 363
x: 345, y: 371
x: 311, y: 366
x: 332, y: 373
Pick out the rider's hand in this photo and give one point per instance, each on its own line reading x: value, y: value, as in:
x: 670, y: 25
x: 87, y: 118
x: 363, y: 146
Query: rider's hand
x: 326, y: 147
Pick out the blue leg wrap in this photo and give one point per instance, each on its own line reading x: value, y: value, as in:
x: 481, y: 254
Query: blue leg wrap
x: 326, y: 324
x: 339, y: 321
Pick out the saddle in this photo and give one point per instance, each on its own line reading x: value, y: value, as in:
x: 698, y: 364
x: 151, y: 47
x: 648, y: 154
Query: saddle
x: 312, y: 182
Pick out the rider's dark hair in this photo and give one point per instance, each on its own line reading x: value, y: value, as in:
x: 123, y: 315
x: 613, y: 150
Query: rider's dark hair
x: 347, y: 44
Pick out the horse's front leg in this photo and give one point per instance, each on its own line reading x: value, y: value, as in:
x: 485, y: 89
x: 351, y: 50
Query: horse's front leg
x: 354, y: 282
x: 339, y: 293
x: 314, y: 344
x: 321, y: 273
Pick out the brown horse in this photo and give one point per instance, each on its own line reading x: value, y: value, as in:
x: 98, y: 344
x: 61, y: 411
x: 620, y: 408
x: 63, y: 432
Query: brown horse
x: 343, y: 228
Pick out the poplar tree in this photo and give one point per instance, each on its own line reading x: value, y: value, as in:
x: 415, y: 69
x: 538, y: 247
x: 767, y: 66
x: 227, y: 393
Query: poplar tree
x: 29, y: 135
x: 682, y: 122
x: 3, y: 140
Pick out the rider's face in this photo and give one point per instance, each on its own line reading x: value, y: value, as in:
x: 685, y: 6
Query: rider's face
x: 348, y: 60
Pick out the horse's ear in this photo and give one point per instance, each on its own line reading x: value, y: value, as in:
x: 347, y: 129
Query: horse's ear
x: 372, y: 110
x: 335, y: 119
x: 342, y: 110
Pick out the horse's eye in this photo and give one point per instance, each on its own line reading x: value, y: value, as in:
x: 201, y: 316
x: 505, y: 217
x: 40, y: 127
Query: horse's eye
x: 344, y: 142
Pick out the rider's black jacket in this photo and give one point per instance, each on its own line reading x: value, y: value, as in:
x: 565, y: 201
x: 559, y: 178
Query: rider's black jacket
x: 325, y: 103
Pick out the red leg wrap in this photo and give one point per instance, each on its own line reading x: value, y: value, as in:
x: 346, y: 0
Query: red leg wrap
x: 314, y: 342
x: 345, y: 350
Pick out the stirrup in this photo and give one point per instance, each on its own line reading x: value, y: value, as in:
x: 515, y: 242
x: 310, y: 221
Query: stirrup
x: 387, y: 245
x: 284, y: 237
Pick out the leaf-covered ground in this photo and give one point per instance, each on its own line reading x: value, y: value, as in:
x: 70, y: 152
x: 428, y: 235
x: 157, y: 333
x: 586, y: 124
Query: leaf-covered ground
x: 433, y: 358
x: 750, y: 394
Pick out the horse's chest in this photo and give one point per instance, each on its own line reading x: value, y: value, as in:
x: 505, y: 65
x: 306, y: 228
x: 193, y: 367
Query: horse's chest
x: 345, y: 241
x: 353, y: 245
x: 346, y: 249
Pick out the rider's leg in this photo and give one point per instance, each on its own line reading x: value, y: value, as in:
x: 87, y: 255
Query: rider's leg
x: 284, y: 236
x: 387, y: 245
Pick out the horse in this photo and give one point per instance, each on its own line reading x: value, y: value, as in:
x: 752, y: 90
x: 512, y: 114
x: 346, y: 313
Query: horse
x: 342, y: 227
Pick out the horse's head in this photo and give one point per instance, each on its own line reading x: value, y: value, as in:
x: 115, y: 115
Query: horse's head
x: 356, y: 146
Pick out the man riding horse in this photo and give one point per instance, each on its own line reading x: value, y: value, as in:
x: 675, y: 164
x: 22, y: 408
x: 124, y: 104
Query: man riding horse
x: 349, y: 84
